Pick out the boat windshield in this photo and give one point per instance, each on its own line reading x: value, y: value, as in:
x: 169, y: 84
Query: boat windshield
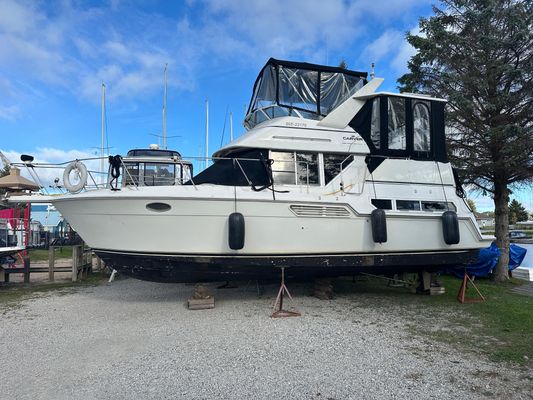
x: 285, y: 88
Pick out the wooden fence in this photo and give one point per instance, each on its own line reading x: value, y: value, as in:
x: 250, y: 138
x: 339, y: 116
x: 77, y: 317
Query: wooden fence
x: 81, y: 265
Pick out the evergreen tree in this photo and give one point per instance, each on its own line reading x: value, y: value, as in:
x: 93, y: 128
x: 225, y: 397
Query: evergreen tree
x: 342, y: 64
x: 518, y: 212
x: 472, y: 205
x: 479, y: 55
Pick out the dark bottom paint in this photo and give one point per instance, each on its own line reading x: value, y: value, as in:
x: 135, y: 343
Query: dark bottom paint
x: 188, y: 268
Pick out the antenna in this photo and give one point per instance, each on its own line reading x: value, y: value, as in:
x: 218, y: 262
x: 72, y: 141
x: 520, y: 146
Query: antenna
x: 102, y: 164
x: 206, y: 133
x: 372, y: 74
x: 231, y: 126
x: 164, y: 137
x: 165, y: 111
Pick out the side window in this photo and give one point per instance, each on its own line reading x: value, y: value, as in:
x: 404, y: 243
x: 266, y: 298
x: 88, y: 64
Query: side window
x: 375, y: 124
x: 295, y: 168
x: 396, y: 124
x: 158, y: 174
x: 407, y: 205
x: 382, y: 204
x: 131, y: 175
x: 307, y: 168
x: 438, y: 206
x: 333, y: 163
x: 421, y: 140
x: 283, y: 167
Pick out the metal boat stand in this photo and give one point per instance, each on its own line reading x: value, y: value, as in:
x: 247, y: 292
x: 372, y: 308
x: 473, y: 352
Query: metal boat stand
x: 277, y: 310
x: 461, y: 296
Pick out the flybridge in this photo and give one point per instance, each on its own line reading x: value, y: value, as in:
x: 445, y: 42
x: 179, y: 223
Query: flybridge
x: 285, y: 88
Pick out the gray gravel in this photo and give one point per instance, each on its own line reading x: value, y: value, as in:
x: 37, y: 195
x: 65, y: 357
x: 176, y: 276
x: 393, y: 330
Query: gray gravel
x: 134, y: 339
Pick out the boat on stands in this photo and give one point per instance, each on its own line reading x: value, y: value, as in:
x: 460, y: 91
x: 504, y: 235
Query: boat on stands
x: 331, y: 178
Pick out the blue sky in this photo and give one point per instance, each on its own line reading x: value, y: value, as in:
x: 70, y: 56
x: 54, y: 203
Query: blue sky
x: 54, y: 56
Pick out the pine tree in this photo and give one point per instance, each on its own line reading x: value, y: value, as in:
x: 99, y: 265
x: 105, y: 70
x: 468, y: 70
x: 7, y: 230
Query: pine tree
x: 479, y: 55
x: 518, y: 211
x: 472, y: 205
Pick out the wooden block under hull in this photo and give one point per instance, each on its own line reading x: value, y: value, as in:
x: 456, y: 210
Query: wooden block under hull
x: 437, y: 290
x: 201, y: 304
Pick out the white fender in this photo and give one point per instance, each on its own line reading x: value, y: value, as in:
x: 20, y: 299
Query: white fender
x: 81, y: 170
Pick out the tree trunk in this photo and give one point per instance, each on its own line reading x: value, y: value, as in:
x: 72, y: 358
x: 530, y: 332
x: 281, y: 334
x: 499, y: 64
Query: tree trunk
x: 501, y: 203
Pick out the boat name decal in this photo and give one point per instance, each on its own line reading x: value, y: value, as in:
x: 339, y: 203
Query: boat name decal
x: 296, y: 124
x: 352, y: 138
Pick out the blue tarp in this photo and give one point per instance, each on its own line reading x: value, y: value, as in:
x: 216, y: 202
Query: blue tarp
x: 487, y: 260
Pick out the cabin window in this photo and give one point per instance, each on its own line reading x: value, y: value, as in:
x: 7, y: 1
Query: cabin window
x: 307, y: 169
x: 333, y: 164
x: 421, y: 140
x: 283, y: 169
x: 291, y: 168
x: 438, y: 206
x: 407, y: 205
x: 157, y: 174
x: 375, y: 124
x: 382, y: 204
x: 396, y: 123
x: 131, y: 175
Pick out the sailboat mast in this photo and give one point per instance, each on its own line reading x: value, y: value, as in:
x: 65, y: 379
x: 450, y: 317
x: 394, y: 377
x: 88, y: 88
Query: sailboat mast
x: 206, y: 133
x: 165, y: 111
x: 230, y: 126
x: 102, y: 165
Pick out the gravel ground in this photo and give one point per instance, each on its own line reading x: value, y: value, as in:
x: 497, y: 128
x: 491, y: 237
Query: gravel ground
x: 133, y: 339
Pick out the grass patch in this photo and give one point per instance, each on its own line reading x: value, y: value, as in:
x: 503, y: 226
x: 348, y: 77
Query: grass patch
x: 11, y: 295
x: 501, y: 327
x: 42, y: 254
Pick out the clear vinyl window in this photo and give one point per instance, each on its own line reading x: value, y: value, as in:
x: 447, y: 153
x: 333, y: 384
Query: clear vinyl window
x: 396, y: 123
x: 375, y: 123
x: 421, y: 127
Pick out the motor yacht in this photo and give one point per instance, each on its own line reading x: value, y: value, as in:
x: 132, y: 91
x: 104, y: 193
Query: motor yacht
x: 331, y: 178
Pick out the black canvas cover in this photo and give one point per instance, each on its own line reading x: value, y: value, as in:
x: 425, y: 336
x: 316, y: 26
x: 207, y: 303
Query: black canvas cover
x: 379, y: 147
x: 240, y: 168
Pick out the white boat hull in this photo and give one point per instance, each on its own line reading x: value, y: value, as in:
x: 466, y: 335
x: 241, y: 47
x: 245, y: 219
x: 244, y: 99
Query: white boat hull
x: 194, y: 234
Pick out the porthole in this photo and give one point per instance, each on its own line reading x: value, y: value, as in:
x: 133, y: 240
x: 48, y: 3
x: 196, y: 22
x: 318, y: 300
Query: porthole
x: 158, y: 207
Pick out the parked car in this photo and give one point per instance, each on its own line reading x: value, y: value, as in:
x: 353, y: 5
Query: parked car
x: 518, y: 235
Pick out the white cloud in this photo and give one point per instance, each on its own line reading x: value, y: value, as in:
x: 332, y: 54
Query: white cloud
x: 73, y: 47
x: 16, y: 17
x: 404, y: 54
x: 383, y: 46
x: 10, y: 113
